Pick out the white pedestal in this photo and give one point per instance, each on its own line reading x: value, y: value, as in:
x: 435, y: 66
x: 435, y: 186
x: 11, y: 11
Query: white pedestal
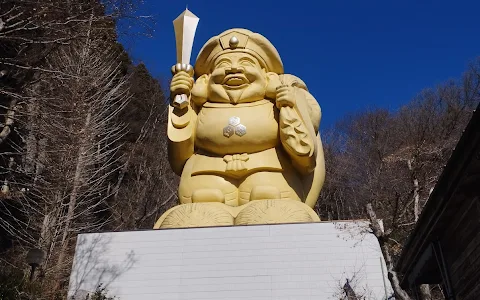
x: 287, y: 261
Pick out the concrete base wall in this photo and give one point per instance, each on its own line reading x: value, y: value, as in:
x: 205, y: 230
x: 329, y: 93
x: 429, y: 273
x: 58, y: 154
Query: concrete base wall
x: 287, y: 261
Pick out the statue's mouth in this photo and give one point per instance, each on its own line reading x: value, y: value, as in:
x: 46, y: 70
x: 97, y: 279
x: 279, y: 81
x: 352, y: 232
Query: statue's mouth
x: 235, y: 80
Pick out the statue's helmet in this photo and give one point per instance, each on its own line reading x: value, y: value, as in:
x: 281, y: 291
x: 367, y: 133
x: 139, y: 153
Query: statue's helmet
x: 239, y: 40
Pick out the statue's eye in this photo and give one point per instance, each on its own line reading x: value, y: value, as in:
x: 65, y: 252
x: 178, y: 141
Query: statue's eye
x: 223, y: 64
x: 245, y: 62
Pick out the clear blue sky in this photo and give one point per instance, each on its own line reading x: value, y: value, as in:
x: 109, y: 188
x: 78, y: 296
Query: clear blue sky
x: 352, y: 54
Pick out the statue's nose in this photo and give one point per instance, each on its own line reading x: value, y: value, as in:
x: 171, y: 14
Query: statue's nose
x: 233, y: 70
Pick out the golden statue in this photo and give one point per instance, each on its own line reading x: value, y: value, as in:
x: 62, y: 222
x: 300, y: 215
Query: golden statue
x: 243, y: 137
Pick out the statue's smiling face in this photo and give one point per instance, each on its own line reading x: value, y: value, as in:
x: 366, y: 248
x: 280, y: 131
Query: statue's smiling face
x: 237, y: 77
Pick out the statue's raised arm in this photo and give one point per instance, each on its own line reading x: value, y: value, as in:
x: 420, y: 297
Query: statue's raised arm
x: 244, y: 139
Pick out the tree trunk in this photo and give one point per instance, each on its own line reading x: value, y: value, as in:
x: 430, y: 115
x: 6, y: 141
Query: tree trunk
x: 9, y: 119
x: 41, y: 160
x: 416, y: 191
x: 76, y: 184
x: 400, y: 294
x: 32, y: 131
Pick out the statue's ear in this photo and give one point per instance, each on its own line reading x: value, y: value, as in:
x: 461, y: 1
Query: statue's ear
x: 273, y: 81
x: 200, y: 90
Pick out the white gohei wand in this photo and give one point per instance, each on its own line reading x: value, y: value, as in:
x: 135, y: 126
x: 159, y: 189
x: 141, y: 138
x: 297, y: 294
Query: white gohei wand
x: 185, y: 26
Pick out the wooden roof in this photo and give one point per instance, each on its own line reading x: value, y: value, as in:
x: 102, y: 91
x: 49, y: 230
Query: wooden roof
x: 459, y: 183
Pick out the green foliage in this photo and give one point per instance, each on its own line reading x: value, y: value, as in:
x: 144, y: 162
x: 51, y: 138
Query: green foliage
x: 14, y: 285
x: 100, y: 294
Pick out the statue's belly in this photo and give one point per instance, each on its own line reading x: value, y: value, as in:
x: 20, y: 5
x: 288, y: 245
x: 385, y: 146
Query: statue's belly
x: 243, y: 128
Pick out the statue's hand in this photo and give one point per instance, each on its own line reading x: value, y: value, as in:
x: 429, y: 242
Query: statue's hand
x: 181, y: 85
x: 285, y: 96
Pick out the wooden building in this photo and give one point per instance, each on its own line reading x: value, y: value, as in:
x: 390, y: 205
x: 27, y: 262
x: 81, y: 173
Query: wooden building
x: 444, y: 247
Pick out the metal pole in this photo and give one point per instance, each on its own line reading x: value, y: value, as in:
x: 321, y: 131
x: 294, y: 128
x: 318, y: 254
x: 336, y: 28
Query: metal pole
x: 383, y: 278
